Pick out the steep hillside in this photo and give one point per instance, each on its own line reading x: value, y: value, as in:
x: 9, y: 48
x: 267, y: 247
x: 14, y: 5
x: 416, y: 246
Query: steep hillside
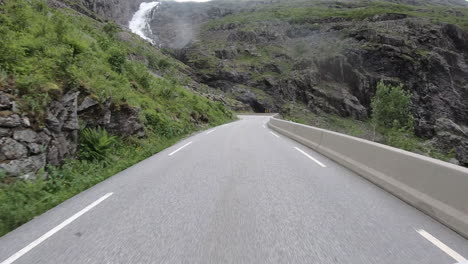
x: 320, y: 61
x: 81, y: 100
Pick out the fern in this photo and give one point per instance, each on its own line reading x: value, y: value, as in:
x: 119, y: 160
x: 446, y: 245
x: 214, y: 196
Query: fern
x: 95, y: 144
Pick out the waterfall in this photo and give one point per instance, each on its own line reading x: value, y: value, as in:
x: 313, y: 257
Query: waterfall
x: 140, y: 21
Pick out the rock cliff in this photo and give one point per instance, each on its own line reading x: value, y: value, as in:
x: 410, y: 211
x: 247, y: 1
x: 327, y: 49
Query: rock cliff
x: 269, y: 56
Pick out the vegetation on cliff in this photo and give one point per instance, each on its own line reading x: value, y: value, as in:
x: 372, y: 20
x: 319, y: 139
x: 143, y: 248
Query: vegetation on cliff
x: 46, y: 53
x: 320, y: 62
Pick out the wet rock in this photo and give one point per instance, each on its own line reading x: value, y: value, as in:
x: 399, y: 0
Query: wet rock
x: 11, y: 149
x: 13, y: 120
x: 26, y: 135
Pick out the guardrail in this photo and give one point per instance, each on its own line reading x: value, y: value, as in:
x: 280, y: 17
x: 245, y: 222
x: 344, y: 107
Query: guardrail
x: 437, y: 188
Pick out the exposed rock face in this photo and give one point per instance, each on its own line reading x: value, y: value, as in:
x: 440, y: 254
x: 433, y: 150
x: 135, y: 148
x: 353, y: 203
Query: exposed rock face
x: 24, y: 151
x: 331, y: 64
x: 21, y: 151
x: 120, y: 11
x: 120, y: 120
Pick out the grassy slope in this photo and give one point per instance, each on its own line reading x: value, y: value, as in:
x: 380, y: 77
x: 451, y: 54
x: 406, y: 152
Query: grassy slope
x: 300, y: 12
x: 45, y: 52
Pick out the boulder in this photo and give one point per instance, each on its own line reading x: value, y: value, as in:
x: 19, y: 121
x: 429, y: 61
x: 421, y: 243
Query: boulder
x: 43, y: 137
x: 13, y: 120
x: 25, y: 121
x: 5, y: 101
x: 24, y: 166
x: 5, y: 132
x: 12, y: 150
x: 35, y: 148
x: 25, y: 135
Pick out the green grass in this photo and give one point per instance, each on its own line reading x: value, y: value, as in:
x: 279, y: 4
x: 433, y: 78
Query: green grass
x: 45, y: 52
x: 350, y: 11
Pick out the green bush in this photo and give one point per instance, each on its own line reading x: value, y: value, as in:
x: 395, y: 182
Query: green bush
x: 163, y: 64
x: 391, y: 107
x: 111, y: 29
x: 95, y: 144
x: 402, y: 138
x: 117, y: 59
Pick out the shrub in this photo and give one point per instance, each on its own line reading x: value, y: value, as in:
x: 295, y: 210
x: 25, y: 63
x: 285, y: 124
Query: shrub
x: 163, y: 64
x: 117, y: 58
x: 111, y: 29
x: 95, y: 144
x: 391, y: 107
x: 401, y: 138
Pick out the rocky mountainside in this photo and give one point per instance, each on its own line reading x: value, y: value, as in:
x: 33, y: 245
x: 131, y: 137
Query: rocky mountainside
x: 329, y: 56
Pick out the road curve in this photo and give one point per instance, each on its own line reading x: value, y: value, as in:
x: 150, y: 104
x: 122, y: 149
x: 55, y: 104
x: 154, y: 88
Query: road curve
x: 238, y: 193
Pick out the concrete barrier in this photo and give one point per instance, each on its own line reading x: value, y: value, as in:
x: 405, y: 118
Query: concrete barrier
x: 437, y: 188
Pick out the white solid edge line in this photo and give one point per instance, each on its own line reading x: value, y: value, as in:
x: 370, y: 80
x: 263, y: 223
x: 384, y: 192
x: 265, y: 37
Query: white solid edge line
x: 274, y: 134
x: 54, y: 230
x: 209, y: 132
x: 310, y: 157
x: 441, y: 246
x: 179, y: 149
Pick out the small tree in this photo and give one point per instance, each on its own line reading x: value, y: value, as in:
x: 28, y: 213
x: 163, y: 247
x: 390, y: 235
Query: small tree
x: 391, y: 108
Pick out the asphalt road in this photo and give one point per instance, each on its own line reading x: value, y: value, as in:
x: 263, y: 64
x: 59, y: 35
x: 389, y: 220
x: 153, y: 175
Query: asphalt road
x: 235, y: 194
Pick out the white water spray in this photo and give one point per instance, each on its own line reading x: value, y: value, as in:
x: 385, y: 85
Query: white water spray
x: 140, y: 21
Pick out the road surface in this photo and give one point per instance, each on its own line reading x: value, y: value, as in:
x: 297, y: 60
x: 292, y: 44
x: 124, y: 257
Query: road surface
x: 238, y: 193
